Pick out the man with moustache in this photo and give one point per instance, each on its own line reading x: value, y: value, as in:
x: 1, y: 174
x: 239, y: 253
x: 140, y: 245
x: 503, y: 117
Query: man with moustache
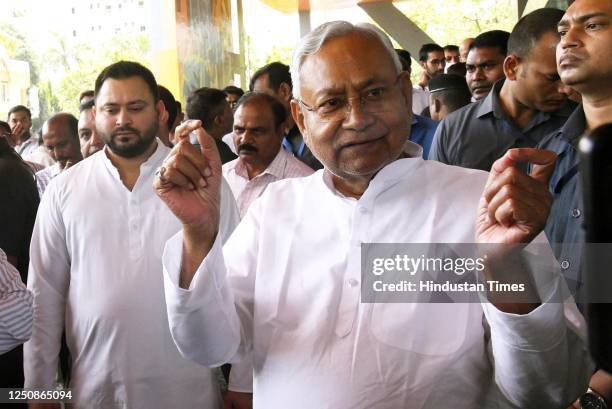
x: 61, y: 139
x: 286, y: 286
x: 95, y: 264
x: 258, y: 133
x: 520, y: 110
x: 584, y: 61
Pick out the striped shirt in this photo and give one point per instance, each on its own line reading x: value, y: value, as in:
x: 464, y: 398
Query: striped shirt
x: 15, y: 307
x: 43, y: 177
x: 246, y: 191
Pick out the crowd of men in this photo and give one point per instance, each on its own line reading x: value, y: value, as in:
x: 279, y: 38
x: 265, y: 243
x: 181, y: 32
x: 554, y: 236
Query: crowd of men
x: 158, y: 245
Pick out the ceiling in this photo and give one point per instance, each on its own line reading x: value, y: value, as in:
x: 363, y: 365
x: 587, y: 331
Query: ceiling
x: 291, y: 6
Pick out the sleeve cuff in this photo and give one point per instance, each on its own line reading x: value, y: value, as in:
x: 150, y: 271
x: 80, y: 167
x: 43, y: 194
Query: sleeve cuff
x: 540, y: 330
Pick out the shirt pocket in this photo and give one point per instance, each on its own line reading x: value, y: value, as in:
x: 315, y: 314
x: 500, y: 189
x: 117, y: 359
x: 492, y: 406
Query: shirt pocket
x: 423, y: 328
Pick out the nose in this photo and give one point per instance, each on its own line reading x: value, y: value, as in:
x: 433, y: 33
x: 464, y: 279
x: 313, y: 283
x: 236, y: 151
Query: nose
x: 123, y: 117
x: 570, y: 39
x: 356, y: 116
x: 95, y: 140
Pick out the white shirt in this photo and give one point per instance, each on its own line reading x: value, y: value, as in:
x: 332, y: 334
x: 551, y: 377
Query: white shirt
x: 245, y: 190
x: 95, y: 266
x: 43, y: 177
x: 293, y: 267
x: 28, y: 146
x: 15, y: 307
x: 41, y: 156
x: 420, y: 99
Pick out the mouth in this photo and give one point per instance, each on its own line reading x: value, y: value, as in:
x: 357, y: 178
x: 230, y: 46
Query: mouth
x: 481, y: 90
x: 568, y: 60
x: 362, y: 144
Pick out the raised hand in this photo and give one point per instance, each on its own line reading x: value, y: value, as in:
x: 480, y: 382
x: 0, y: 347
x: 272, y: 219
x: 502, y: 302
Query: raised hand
x: 514, y: 206
x: 189, y: 180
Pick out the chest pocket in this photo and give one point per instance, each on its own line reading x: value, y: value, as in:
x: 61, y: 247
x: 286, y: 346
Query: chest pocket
x: 423, y: 328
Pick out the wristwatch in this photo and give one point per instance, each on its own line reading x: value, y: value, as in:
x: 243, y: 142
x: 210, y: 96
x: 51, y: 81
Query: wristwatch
x: 592, y: 400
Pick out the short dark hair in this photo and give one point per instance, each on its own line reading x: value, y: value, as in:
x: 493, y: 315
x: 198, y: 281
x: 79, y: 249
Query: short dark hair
x: 127, y: 69
x: 405, y: 58
x: 87, y: 105
x: 278, y: 109
x: 169, y: 103
x: 457, y: 69
x: 86, y: 94
x: 530, y: 29
x: 5, y: 126
x: 492, y: 39
x: 19, y: 108
x: 451, y: 47
x: 232, y: 89
x: 277, y: 74
x: 451, y: 89
x: 205, y: 104
x: 428, y: 48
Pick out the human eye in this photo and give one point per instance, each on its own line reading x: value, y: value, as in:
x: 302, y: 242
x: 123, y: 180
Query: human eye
x: 329, y: 105
x: 110, y: 110
x: 375, y: 94
x: 470, y: 68
x: 238, y: 130
x: 136, y: 108
x: 85, y: 135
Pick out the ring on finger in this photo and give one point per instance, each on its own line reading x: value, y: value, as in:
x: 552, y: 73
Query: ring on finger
x: 160, y: 173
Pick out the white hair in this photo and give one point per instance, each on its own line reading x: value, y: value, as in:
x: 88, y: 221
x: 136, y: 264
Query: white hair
x: 312, y: 42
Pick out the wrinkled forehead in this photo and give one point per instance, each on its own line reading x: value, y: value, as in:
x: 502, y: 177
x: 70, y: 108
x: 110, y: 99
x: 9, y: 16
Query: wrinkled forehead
x: 343, y: 63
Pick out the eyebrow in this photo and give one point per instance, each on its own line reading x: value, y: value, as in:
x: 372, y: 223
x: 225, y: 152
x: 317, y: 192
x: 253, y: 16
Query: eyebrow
x: 581, y: 19
x: 113, y: 104
x: 339, y: 90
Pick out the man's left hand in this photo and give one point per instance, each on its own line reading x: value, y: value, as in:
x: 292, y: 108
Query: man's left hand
x: 514, y: 206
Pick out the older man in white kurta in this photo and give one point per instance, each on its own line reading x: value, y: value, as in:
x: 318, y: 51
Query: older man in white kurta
x: 288, y: 280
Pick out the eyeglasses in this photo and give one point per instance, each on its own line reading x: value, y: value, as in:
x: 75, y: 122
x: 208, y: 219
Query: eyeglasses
x: 373, y: 101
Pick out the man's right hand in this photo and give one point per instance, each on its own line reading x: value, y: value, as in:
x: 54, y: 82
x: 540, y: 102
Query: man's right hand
x: 16, y: 132
x: 189, y: 183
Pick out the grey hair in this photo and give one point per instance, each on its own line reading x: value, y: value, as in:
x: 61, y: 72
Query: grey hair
x: 312, y: 42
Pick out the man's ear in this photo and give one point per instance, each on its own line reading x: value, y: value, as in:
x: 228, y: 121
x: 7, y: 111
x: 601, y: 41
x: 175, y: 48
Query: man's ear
x: 511, y: 66
x: 298, y: 117
x: 406, y: 88
x: 162, y: 114
x: 423, y: 64
x: 284, y: 92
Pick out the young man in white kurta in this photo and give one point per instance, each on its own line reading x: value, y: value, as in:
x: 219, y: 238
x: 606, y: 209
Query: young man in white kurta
x: 95, y: 269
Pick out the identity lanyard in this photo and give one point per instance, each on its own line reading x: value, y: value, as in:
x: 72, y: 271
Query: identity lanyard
x: 289, y: 147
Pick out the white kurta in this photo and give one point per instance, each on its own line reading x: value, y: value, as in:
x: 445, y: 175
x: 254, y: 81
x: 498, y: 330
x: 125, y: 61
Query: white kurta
x: 294, y: 274
x: 96, y: 266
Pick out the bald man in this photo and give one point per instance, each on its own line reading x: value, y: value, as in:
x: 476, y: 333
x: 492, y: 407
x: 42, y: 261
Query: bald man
x: 61, y: 139
x: 464, y: 48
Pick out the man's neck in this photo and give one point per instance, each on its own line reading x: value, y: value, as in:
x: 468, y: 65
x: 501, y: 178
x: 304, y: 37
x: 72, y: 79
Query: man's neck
x: 353, y: 186
x: 515, y: 110
x: 255, y: 169
x: 24, y: 137
x: 129, y: 168
x: 597, y: 110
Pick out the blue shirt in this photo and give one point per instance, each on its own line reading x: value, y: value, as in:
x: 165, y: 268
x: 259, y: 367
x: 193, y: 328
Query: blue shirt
x: 478, y: 134
x: 422, y: 131
x: 564, y: 226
